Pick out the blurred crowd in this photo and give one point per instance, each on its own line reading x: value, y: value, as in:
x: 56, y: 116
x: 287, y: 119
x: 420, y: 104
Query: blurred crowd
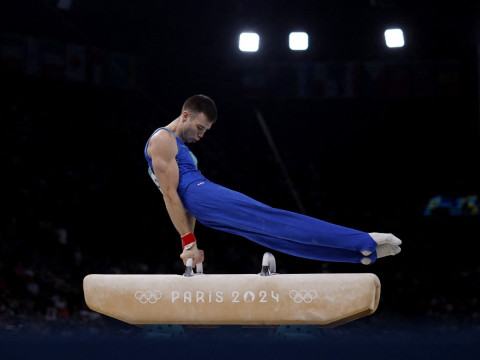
x: 76, y: 200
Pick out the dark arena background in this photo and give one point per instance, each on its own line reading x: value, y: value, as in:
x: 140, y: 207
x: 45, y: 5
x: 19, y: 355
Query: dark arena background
x: 362, y: 135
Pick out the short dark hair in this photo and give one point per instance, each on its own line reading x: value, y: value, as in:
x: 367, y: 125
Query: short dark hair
x: 201, y: 104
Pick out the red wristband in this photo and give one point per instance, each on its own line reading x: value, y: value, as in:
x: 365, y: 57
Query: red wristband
x: 188, y: 239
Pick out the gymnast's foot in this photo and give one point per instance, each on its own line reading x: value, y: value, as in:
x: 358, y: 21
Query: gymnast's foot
x: 387, y: 250
x: 382, y: 238
x: 388, y: 245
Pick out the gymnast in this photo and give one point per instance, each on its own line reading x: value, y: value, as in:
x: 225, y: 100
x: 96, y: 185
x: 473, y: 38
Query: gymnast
x: 189, y: 197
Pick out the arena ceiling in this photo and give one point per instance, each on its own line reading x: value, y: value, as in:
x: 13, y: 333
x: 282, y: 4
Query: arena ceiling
x: 337, y: 28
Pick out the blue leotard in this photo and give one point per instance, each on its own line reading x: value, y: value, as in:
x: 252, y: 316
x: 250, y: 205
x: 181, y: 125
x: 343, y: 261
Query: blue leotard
x: 223, y: 209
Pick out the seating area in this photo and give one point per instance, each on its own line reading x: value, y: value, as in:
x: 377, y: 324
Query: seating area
x: 77, y: 199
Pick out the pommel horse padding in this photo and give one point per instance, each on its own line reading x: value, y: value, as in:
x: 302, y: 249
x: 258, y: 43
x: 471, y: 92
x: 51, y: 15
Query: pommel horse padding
x: 280, y: 299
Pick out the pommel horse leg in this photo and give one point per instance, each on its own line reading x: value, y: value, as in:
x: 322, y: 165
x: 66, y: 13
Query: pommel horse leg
x: 243, y: 299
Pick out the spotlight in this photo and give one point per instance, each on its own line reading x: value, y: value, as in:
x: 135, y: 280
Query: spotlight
x: 298, y: 41
x: 394, y: 38
x: 249, y: 42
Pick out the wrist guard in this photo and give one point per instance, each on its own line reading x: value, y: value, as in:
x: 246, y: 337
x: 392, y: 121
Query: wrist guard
x: 188, y: 240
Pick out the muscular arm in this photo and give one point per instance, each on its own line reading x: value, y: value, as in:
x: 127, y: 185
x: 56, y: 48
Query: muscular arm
x: 163, y: 149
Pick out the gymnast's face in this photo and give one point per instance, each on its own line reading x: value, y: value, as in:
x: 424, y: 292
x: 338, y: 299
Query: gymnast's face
x: 195, y: 125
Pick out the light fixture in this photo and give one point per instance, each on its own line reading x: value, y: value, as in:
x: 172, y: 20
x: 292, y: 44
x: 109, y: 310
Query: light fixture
x: 249, y: 42
x: 394, y: 38
x: 298, y: 41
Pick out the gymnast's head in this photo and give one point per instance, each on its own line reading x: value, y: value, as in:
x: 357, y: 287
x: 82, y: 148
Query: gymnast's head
x: 201, y: 104
x: 199, y: 113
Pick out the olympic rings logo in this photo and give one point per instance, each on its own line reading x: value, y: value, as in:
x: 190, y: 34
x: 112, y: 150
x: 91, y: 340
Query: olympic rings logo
x: 148, y: 296
x: 303, y: 296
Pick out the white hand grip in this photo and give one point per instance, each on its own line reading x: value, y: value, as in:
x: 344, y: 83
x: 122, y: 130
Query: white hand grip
x: 189, y: 270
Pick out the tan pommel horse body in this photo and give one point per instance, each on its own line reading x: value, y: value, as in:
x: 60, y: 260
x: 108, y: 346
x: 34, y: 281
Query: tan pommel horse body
x: 194, y: 299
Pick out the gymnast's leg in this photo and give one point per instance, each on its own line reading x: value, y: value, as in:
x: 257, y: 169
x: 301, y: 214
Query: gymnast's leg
x: 303, y: 250
x: 227, y: 210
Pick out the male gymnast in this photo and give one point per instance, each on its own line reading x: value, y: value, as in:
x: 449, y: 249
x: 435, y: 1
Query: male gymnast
x: 189, y: 196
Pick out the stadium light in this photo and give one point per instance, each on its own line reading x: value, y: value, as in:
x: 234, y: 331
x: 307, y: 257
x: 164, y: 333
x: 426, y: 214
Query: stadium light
x: 249, y: 42
x: 394, y: 38
x: 298, y: 41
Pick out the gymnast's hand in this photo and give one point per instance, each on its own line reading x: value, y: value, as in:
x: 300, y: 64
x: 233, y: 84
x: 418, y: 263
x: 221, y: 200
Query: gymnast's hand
x: 194, y: 253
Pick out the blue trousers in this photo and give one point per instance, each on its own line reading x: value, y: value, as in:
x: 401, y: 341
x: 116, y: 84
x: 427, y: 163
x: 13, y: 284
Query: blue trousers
x: 223, y: 209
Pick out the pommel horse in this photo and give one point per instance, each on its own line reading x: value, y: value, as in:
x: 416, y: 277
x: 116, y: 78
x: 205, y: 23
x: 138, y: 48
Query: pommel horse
x: 266, y: 298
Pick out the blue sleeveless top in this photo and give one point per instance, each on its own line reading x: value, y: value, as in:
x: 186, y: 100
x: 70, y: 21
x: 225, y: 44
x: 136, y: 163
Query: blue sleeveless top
x: 187, y: 164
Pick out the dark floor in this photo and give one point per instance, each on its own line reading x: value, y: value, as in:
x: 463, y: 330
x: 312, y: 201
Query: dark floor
x: 383, y: 337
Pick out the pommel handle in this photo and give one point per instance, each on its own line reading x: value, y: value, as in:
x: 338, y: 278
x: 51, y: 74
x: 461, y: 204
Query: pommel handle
x: 269, y: 266
x: 189, y: 269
